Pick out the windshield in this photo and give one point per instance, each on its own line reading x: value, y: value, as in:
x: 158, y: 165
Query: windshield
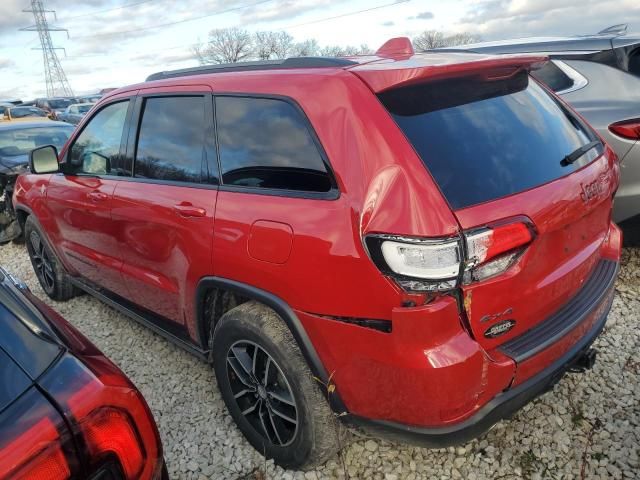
x: 59, y: 103
x: 84, y: 108
x: 22, y: 112
x: 483, y: 140
x: 22, y: 141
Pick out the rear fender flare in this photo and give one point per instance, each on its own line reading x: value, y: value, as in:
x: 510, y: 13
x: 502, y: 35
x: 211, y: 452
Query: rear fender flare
x: 284, y: 311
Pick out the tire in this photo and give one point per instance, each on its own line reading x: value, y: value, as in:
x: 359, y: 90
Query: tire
x: 253, y: 331
x: 53, y: 279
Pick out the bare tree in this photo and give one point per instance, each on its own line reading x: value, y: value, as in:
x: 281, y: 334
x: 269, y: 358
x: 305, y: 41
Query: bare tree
x: 263, y: 44
x: 462, y: 39
x: 225, y: 45
x: 365, y: 49
x: 283, y: 45
x: 306, y: 48
x: 430, y: 39
x: 347, y: 51
x: 229, y: 45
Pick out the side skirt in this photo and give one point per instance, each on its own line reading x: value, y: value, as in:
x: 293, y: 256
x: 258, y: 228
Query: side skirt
x: 157, y: 324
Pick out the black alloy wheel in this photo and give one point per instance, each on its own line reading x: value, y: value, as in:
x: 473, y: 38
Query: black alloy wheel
x: 42, y: 263
x: 262, y: 392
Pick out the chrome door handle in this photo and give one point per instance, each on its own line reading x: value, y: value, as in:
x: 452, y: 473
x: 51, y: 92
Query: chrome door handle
x: 97, y: 196
x: 185, y: 210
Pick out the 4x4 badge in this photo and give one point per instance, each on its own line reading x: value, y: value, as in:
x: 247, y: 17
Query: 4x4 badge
x: 499, y: 328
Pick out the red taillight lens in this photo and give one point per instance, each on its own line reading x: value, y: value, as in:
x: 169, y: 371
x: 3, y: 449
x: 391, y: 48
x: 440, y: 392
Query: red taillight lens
x: 110, y: 431
x: 501, y: 239
x: 115, y: 421
x: 629, y: 129
x: 50, y: 464
x: 38, y: 453
x: 492, y: 250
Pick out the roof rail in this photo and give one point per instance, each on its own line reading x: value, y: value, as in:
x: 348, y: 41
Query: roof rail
x: 295, y: 62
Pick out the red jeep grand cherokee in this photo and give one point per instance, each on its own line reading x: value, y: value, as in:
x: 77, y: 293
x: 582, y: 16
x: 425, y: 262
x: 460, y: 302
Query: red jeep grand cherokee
x: 425, y: 240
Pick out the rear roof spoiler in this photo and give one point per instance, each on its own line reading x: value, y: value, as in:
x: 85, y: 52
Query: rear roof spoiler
x: 388, y: 74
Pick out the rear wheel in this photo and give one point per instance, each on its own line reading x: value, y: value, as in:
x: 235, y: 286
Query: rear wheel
x: 269, y: 389
x: 53, y: 279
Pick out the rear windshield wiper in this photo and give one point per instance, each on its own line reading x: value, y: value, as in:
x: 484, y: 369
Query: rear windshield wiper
x: 578, y: 152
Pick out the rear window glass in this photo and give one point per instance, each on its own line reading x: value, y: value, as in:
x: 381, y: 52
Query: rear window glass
x: 486, y: 140
x: 551, y: 75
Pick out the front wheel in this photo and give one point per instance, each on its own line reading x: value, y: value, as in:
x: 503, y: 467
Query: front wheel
x: 53, y: 279
x: 269, y: 389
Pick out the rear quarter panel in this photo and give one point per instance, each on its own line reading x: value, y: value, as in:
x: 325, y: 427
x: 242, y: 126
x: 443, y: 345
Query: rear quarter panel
x: 383, y: 188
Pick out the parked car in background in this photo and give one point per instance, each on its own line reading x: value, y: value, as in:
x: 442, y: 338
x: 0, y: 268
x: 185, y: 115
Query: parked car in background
x: 415, y: 244
x: 21, y: 113
x: 599, y: 75
x: 74, y: 113
x: 54, y: 105
x: 12, y: 101
x: 17, y: 139
x: 3, y: 108
x: 66, y: 411
x: 89, y: 98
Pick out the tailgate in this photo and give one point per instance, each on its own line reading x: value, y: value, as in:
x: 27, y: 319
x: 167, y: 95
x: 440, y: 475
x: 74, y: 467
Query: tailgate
x: 565, y: 250
x: 505, y: 152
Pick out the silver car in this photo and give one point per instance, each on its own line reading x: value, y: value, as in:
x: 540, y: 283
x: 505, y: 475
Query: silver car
x: 599, y: 75
x: 74, y: 113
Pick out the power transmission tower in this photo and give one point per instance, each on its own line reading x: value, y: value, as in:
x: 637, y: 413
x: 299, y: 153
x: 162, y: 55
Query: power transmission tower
x: 57, y: 83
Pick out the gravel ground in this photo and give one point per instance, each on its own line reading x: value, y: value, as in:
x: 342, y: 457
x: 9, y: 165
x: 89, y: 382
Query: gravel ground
x: 588, y: 427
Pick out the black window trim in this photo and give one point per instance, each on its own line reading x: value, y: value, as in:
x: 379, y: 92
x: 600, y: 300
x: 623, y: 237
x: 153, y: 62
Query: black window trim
x: 332, y: 194
x: 209, y: 169
x: 66, y: 166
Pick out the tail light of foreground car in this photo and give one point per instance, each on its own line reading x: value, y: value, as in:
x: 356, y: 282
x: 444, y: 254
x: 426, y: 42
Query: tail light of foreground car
x: 439, y: 265
x: 36, y: 453
x: 629, y: 129
x: 112, y: 425
x: 116, y: 424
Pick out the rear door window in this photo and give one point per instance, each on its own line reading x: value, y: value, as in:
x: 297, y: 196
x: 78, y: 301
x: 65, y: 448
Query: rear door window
x: 171, y: 139
x: 483, y: 140
x: 265, y: 143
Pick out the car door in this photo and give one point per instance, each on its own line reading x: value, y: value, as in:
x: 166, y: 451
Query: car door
x: 80, y: 197
x: 165, y: 211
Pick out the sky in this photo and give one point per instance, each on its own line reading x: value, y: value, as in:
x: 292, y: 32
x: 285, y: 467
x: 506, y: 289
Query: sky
x: 112, y: 43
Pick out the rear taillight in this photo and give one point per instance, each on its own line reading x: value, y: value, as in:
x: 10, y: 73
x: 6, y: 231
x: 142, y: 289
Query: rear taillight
x: 111, y: 421
x: 629, y: 129
x: 419, y: 265
x: 109, y: 431
x: 493, y: 250
x: 35, y: 453
x: 438, y: 265
x: 115, y: 422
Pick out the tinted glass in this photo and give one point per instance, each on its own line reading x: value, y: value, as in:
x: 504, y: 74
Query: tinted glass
x: 171, y: 139
x: 553, y: 77
x: 486, y: 140
x: 266, y: 143
x: 22, y: 141
x: 97, y: 149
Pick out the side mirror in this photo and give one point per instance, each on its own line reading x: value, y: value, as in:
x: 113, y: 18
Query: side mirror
x: 44, y: 160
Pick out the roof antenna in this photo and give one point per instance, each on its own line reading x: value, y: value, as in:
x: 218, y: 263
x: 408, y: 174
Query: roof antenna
x: 619, y: 29
x: 396, y: 47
